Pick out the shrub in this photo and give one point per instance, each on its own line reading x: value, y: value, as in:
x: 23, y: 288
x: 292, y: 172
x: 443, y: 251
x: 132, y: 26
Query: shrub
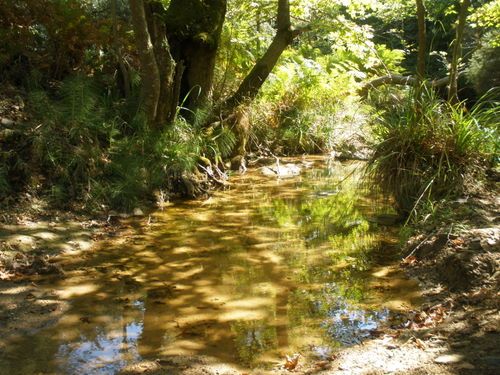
x: 70, y: 143
x: 483, y: 69
x: 436, y: 152
x: 306, y: 108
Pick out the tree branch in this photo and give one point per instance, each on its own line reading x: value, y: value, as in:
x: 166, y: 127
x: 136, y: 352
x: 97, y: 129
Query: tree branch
x: 397, y: 79
x: 252, y: 83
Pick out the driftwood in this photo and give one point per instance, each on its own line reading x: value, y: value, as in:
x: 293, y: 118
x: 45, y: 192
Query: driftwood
x: 397, y: 79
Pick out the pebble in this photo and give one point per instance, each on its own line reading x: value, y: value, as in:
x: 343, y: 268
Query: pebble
x: 138, y: 212
x: 466, y: 366
x: 460, y: 344
x: 7, y: 122
x: 448, y: 359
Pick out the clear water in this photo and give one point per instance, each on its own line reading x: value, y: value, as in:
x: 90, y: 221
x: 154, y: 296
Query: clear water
x: 266, y: 268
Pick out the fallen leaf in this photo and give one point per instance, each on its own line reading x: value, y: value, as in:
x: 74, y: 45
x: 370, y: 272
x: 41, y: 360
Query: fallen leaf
x: 291, y: 362
x: 409, y: 261
x: 420, y: 344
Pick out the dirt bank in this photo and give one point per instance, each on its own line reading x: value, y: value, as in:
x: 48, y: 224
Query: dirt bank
x: 32, y: 238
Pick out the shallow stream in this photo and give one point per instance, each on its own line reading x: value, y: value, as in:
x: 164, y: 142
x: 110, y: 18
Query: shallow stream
x: 266, y: 268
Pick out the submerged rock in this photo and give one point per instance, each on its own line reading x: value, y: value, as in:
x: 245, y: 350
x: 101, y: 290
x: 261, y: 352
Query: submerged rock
x: 448, y: 358
x: 281, y: 171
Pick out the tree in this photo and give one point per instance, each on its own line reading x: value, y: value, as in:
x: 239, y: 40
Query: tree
x: 157, y: 64
x: 422, y: 35
x: 177, y: 49
x: 252, y: 83
x: 194, y: 29
x: 457, y: 52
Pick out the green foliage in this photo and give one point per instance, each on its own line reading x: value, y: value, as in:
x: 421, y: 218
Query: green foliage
x: 87, y: 152
x: 306, y: 107
x: 73, y: 133
x: 437, y: 151
x: 483, y: 69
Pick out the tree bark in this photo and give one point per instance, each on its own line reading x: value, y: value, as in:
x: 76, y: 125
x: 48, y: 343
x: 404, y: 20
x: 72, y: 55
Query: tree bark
x: 422, y: 40
x: 194, y: 29
x: 124, y: 83
x: 157, y: 64
x: 150, y: 75
x: 165, y: 63
x: 252, y: 83
x: 457, y: 52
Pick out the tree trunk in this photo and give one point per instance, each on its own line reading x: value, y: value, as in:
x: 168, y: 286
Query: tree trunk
x: 422, y: 43
x: 151, y: 84
x: 252, y: 83
x: 457, y: 52
x: 124, y: 82
x: 167, y: 101
x: 194, y: 29
x: 157, y: 65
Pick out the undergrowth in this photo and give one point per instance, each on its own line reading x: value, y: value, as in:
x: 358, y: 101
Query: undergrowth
x: 306, y: 108
x: 91, y: 150
x: 432, y: 150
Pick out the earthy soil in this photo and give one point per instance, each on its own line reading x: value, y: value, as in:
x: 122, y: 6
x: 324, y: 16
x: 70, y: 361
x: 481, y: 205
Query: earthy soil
x: 456, y: 261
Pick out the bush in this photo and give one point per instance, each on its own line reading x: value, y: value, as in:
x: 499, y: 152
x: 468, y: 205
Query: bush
x: 306, y: 108
x: 71, y: 142
x: 436, y: 152
x: 483, y: 69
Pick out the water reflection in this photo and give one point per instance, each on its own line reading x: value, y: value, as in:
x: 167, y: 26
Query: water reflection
x: 267, y: 268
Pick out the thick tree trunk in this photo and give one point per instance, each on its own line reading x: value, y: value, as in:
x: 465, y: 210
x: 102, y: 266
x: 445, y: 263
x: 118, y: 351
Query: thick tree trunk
x: 252, y: 83
x: 157, y: 64
x: 457, y: 52
x: 194, y: 28
x: 151, y: 83
x: 167, y: 101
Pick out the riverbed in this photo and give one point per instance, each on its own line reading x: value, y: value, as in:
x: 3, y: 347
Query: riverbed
x: 266, y: 268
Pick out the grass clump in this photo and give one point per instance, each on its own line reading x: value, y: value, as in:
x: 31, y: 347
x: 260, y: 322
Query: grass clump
x: 432, y: 150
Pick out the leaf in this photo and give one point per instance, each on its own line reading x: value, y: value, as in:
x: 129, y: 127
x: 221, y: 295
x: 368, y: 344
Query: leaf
x: 409, y: 261
x: 420, y: 344
x: 292, y: 362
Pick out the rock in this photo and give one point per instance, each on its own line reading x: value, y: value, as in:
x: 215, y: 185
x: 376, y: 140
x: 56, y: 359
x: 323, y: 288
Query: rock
x: 7, y: 122
x: 466, y: 366
x: 281, y: 171
x: 460, y: 344
x: 463, y: 270
x: 138, y: 212
x: 22, y: 242
x: 386, y: 219
x: 447, y: 359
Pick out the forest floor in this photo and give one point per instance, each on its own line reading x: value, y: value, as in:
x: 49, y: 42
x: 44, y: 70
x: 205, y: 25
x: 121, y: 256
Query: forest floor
x: 457, y: 263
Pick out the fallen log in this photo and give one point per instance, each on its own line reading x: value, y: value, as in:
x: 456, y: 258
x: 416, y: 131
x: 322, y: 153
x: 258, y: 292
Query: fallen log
x: 397, y: 79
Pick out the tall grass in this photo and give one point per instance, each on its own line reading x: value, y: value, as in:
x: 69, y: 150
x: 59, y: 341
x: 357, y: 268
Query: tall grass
x: 432, y: 150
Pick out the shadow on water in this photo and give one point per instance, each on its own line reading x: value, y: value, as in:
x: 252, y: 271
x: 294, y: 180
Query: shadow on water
x: 265, y: 269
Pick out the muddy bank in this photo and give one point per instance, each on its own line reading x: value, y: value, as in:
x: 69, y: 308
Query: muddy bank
x: 32, y: 241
